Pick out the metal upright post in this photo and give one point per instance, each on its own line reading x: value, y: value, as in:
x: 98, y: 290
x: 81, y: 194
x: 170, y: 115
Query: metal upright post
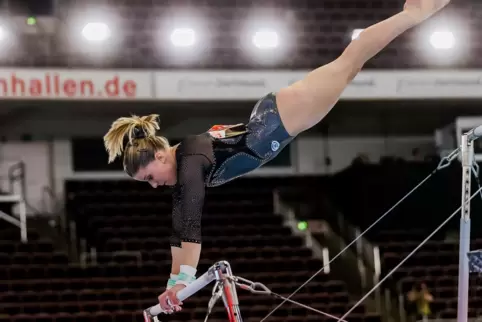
x: 467, y: 149
x: 224, y: 275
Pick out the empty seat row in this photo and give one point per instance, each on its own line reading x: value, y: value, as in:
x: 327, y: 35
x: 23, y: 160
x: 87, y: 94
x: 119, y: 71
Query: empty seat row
x: 14, y: 235
x: 35, y: 246
x: 258, y: 194
x: 61, y: 283
x: 241, y: 231
x: 315, y: 294
x: 139, y: 305
x: 440, y: 304
x: 16, y: 272
x: 213, y: 254
x: 119, y: 316
x: 96, y: 220
x: 452, y: 314
x: 431, y: 246
x: 135, y: 244
x: 219, y: 206
x: 139, y: 294
x: 123, y: 316
x: 422, y: 271
x: 249, y: 253
x: 267, y: 184
x: 397, y: 236
x: 75, y: 270
x: 421, y: 258
x: 20, y: 258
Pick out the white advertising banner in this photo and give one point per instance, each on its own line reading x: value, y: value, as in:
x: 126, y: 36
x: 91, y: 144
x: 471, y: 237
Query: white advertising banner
x: 236, y: 85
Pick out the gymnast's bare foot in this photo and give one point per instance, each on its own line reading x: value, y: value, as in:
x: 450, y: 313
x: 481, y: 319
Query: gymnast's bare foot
x: 421, y: 10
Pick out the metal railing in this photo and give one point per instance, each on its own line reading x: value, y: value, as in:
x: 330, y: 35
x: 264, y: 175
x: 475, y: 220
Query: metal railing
x: 16, y: 175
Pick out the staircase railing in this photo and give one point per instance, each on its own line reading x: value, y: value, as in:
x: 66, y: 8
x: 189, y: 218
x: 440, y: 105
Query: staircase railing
x: 16, y: 175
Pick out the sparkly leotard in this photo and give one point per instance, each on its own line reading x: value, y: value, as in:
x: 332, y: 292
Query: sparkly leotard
x: 207, y: 161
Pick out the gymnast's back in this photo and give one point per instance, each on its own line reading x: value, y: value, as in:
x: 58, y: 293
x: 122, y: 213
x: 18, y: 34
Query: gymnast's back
x: 219, y: 155
x: 226, y: 152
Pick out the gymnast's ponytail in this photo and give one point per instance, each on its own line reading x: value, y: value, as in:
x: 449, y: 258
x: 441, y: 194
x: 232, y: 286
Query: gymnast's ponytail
x: 139, y: 135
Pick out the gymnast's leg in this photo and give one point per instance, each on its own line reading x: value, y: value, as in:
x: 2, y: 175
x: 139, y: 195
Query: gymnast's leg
x: 308, y: 101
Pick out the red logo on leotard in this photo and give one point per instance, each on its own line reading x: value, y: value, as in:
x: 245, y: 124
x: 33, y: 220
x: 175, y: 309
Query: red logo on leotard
x: 222, y: 131
x: 218, y: 128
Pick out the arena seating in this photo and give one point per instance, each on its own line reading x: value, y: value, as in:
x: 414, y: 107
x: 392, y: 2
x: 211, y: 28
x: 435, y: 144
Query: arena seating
x: 436, y: 265
x: 129, y: 225
x: 373, y: 189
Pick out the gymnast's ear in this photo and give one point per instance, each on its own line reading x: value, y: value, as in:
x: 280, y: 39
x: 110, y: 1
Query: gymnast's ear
x: 161, y: 155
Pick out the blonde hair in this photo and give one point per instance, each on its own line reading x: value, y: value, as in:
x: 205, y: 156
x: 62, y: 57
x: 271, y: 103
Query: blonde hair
x: 142, y: 142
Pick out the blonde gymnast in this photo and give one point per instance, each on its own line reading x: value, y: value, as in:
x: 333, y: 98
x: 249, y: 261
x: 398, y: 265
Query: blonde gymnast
x: 226, y: 152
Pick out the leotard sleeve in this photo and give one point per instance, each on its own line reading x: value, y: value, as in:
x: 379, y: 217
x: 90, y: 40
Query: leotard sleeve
x: 188, y: 200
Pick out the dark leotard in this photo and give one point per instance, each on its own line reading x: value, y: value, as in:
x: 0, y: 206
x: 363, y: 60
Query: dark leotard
x: 207, y: 161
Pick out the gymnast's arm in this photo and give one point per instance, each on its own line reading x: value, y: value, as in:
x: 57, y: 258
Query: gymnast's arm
x: 188, y: 202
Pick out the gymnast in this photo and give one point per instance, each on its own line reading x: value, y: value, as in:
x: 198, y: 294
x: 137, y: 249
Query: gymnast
x: 226, y: 152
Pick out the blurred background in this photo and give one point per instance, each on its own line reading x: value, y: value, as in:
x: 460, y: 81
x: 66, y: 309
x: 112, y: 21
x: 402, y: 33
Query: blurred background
x: 96, y: 244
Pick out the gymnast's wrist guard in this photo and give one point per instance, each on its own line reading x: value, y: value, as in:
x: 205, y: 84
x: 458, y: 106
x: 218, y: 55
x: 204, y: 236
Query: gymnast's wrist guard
x: 186, y: 276
x: 172, y: 281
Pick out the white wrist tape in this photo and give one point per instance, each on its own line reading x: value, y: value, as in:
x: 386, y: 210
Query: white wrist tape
x: 187, y: 275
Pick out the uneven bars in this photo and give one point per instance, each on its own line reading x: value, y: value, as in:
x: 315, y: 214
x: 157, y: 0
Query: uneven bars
x: 188, y: 291
x: 467, y: 159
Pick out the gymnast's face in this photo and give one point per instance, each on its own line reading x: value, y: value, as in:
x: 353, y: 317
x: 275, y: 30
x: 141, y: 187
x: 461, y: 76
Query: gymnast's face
x: 159, y: 172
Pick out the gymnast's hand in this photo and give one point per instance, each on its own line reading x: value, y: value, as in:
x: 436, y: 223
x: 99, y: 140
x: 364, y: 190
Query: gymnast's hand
x: 169, y: 301
x: 420, y: 10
